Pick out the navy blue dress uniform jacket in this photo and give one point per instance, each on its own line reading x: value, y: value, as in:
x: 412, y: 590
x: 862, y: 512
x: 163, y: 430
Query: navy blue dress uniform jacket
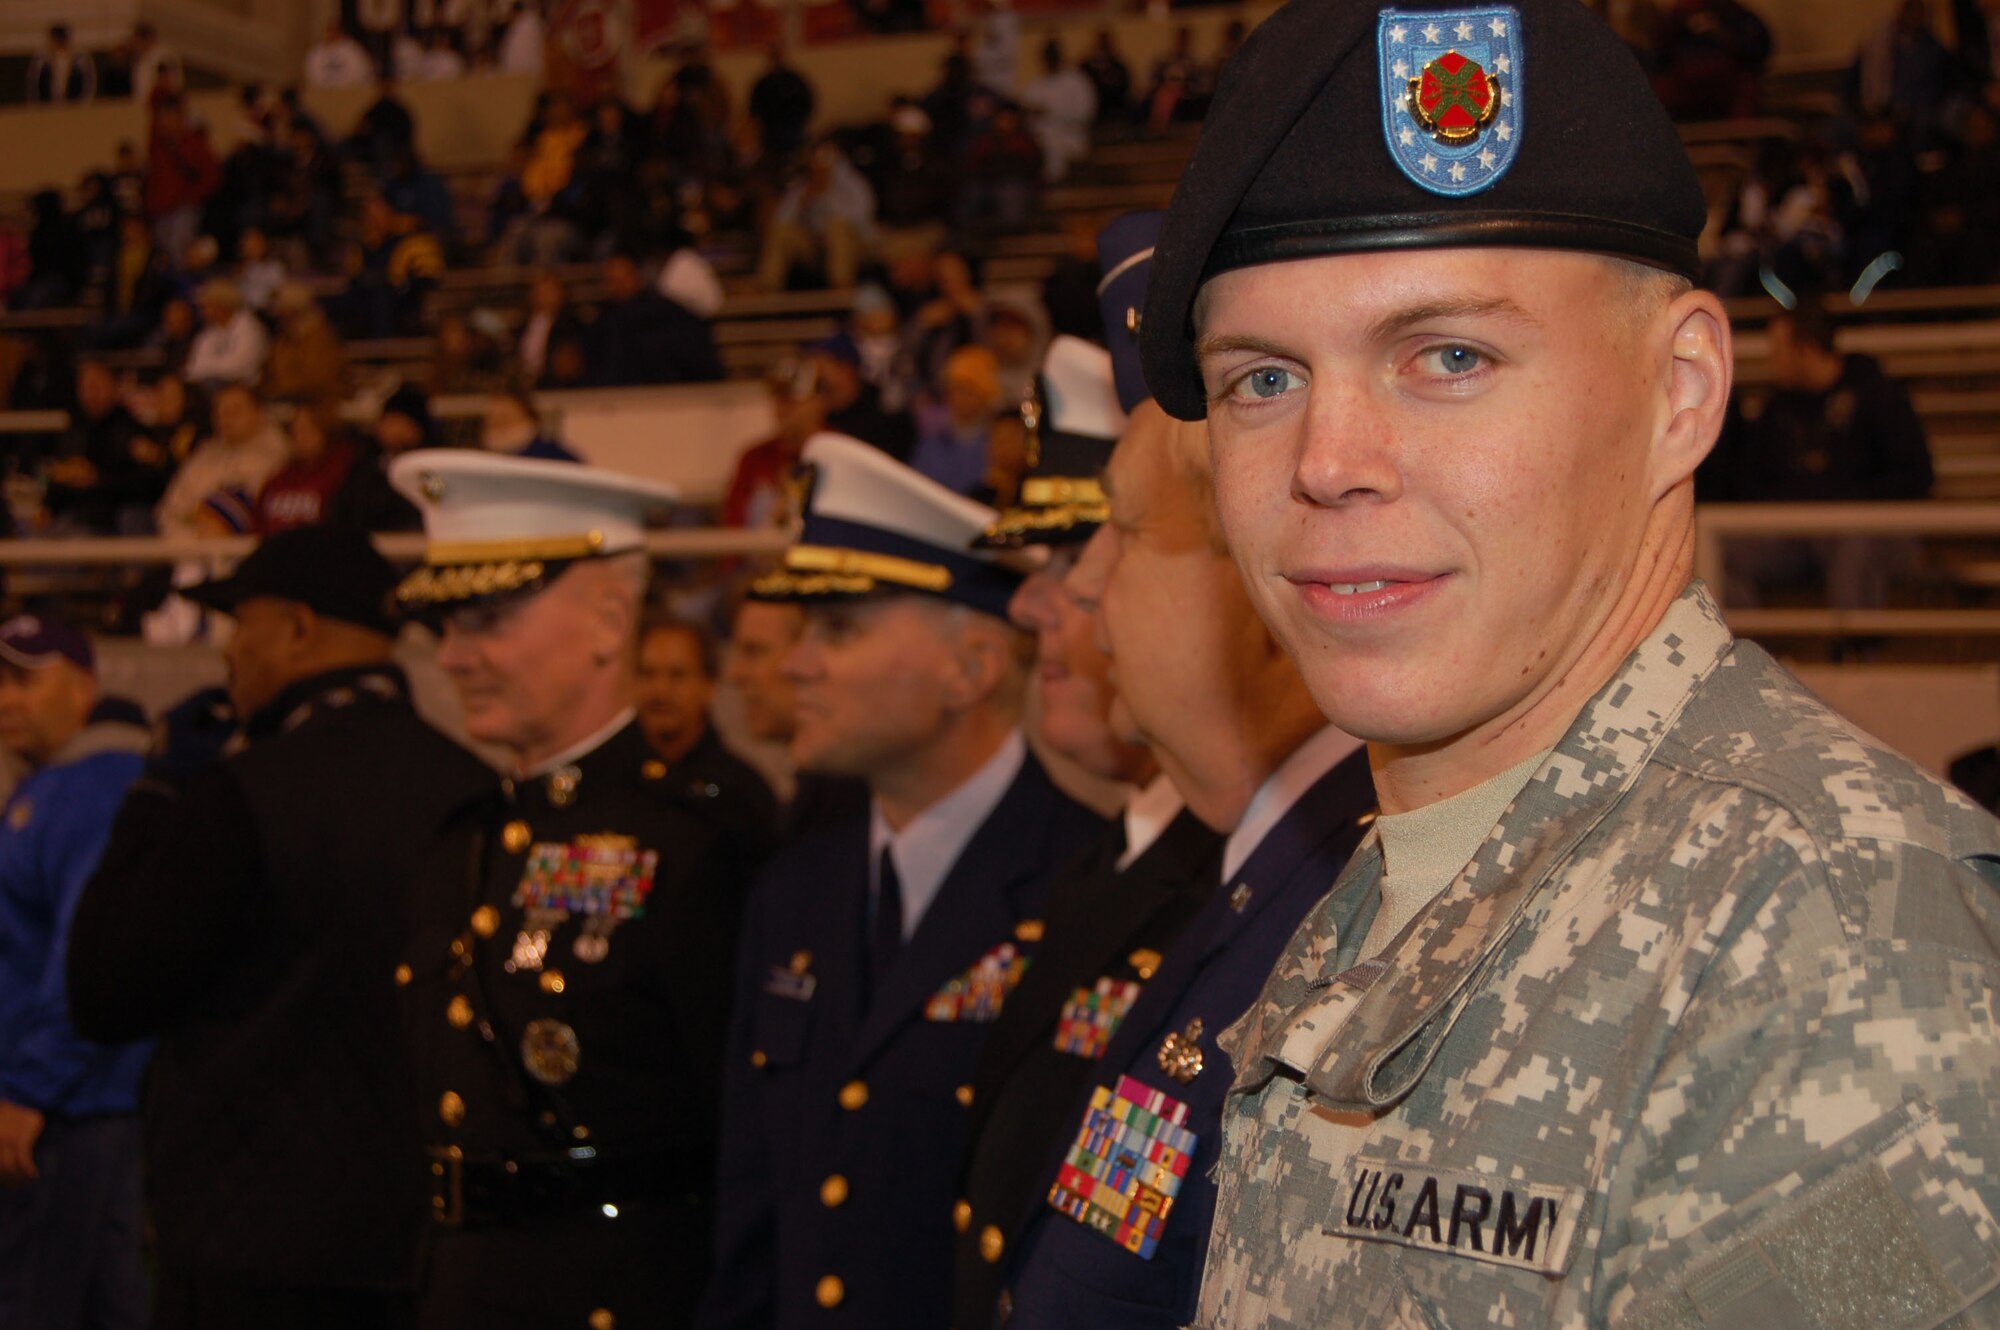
x: 845, y: 1127
x: 1065, y: 1274
x: 250, y: 916
x: 1104, y: 923
x: 569, y: 1105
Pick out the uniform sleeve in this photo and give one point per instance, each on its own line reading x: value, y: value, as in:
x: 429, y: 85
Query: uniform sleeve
x: 741, y: 1294
x: 1821, y: 1146
x: 49, y: 1057
x: 170, y: 912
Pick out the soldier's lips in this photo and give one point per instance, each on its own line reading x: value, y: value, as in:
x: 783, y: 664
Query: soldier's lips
x: 1363, y: 594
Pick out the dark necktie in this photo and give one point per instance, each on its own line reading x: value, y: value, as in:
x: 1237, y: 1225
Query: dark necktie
x: 885, y: 937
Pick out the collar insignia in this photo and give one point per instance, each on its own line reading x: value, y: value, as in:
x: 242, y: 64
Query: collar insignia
x: 1451, y: 103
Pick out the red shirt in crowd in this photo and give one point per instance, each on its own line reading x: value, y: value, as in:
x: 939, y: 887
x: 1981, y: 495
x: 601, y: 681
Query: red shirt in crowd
x: 301, y: 494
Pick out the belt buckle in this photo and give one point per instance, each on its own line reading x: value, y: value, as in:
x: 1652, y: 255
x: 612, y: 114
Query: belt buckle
x: 447, y: 1185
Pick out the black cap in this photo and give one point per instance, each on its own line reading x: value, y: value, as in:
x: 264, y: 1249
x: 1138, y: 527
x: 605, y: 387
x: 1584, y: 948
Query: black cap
x: 333, y: 571
x: 1341, y: 127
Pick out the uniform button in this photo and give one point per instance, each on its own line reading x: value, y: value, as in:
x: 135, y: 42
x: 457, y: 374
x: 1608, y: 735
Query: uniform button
x: 961, y: 1216
x: 833, y: 1192
x: 653, y: 770
x: 992, y: 1242
x: 1029, y: 930
x: 1144, y: 962
x: 964, y: 1096
x: 458, y: 1011
x: 853, y: 1095
x: 829, y: 1292
x: 402, y: 975
x: 514, y: 837
x: 552, y: 981
x: 451, y: 1108
x: 486, y: 921
x: 581, y: 1132
x: 758, y: 1058
x: 602, y: 1319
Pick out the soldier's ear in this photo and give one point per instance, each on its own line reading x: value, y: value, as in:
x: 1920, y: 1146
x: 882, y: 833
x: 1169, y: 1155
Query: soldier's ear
x: 1700, y: 369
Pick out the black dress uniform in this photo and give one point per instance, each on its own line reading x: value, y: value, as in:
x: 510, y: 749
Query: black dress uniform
x: 249, y: 914
x: 846, y: 1122
x: 566, y: 993
x: 1108, y: 928
x: 250, y: 920
x: 1093, y: 1262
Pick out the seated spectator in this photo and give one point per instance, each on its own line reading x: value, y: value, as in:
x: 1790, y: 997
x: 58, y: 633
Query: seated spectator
x: 232, y: 343
x: 155, y: 68
x: 307, y: 361
x: 60, y: 72
x: 367, y: 500
x: 392, y: 265
x: 552, y: 148
x: 953, y: 435
x: 781, y: 104
x: 993, y: 45
x: 952, y: 316
x: 96, y: 216
x: 914, y: 183
x: 689, y: 280
x: 876, y: 334
x: 1904, y: 70
x: 1014, y: 335
x: 1175, y: 75
x: 322, y: 454
x: 853, y: 406
x: 513, y: 425
x: 175, y: 419
x: 759, y: 493
x: 1955, y: 243
x: 1836, y: 429
x: 415, y: 191
x: 1069, y: 292
x: 1003, y: 175
x: 105, y: 475
x: 57, y: 258
x: 386, y: 131
x: 1110, y: 77
x: 181, y: 175
x: 311, y: 187
x: 1061, y: 104
x: 1710, y: 57
x: 823, y: 226
x: 173, y: 336
x: 245, y: 450
x: 468, y: 354
x: 550, y: 317
x: 259, y: 273
x: 336, y: 60
x: 641, y: 337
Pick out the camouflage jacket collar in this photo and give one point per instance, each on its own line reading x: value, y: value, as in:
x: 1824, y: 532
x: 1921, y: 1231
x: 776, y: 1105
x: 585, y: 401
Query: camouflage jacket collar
x: 1401, y: 1004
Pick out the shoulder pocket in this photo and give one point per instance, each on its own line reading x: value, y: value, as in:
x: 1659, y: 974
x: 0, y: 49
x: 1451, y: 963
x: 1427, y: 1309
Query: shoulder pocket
x: 1892, y: 1234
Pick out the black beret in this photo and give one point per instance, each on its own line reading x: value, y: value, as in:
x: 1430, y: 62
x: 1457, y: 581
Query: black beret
x: 1342, y: 127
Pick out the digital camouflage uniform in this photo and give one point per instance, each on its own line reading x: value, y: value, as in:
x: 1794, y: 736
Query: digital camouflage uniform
x: 1703, y: 1036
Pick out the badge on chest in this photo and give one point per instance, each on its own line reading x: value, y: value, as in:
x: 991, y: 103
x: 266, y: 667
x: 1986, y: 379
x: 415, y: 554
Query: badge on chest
x: 603, y: 879
x: 1125, y: 1170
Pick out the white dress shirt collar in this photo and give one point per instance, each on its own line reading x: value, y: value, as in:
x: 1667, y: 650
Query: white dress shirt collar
x: 1280, y: 790
x: 1147, y: 815
x: 930, y: 843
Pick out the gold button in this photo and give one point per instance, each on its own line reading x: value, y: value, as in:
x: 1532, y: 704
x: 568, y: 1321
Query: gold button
x: 833, y: 1192
x: 1367, y: 819
x: 451, y: 1108
x: 458, y: 1011
x: 581, y: 1132
x: 802, y: 961
x: 992, y: 1242
x: 402, y: 975
x: 653, y: 769
x: 1145, y: 961
x: 964, y: 1096
x: 1029, y: 930
x: 514, y: 837
x: 853, y: 1095
x: 602, y: 1319
x: 829, y: 1292
x: 758, y: 1059
x: 486, y: 921
x: 961, y: 1216
x: 552, y: 981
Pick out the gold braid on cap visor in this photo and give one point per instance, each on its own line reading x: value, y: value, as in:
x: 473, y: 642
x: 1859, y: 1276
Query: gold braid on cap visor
x: 475, y: 569
x: 1052, y: 503
x: 819, y: 570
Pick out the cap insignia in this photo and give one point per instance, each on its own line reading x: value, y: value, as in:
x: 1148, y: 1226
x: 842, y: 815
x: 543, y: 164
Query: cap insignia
x: 1451, y: 105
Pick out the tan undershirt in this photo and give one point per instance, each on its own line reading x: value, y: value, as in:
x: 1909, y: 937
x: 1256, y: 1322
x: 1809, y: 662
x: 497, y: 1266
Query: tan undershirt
x: 1425, y: 848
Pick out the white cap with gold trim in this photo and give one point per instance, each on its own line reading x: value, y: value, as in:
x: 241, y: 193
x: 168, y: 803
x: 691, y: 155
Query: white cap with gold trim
x: 498, y: 525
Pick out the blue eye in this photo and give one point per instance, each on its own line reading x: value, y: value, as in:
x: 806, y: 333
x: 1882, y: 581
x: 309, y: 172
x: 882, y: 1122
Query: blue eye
x: 1269, y: 381
x: 1455, y: 360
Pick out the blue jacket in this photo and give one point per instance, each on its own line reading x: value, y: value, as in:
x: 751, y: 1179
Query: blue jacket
x: 843, y: 1127
x: 52, y: 832
x: 1065, y: 1274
